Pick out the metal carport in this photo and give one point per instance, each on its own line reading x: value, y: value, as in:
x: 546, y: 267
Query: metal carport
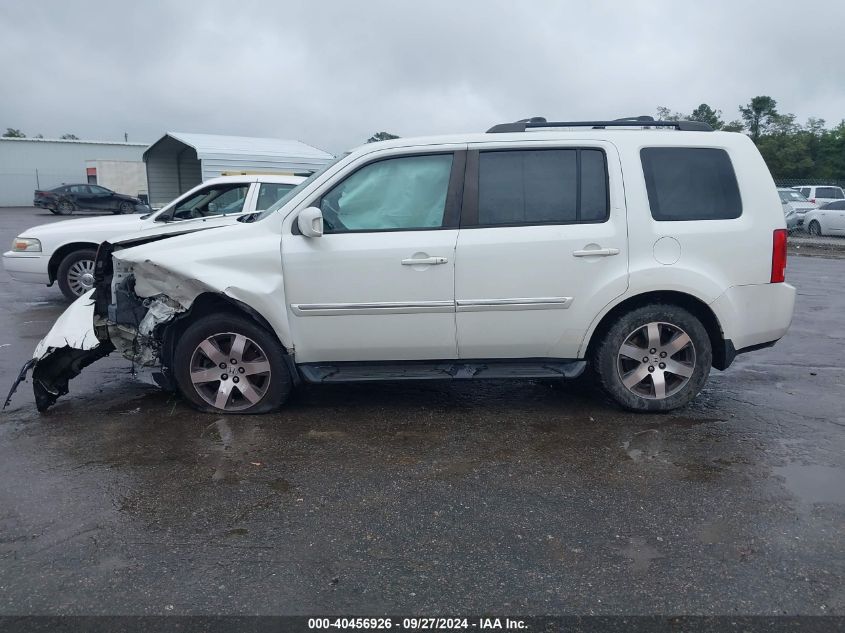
x: 179, y: 161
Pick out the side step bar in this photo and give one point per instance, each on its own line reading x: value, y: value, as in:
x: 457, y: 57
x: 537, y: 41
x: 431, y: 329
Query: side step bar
x: 441, y: 370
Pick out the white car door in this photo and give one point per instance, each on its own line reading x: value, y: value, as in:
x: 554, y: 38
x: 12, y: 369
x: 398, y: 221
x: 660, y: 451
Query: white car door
x: 379, y: 283
x: 835, y: 216
x: 542, y: 247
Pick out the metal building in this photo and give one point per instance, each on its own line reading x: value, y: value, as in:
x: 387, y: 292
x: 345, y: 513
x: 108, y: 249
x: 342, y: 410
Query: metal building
x: 27, y: 164
x: 179, y: 161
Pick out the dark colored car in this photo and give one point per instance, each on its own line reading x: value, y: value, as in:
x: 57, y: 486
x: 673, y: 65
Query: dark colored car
x: 69, y: 198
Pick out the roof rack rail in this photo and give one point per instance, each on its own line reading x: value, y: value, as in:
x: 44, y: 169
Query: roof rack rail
x: 646, y: 121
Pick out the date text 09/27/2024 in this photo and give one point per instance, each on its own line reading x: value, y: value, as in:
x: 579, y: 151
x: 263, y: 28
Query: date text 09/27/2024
x: 417, y: 624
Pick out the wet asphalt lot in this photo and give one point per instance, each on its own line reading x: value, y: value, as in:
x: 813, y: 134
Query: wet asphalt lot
x: 429, y: 498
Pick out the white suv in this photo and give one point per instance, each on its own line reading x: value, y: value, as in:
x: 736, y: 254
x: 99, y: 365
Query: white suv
x: 821, y: 194
x: 652, y: 252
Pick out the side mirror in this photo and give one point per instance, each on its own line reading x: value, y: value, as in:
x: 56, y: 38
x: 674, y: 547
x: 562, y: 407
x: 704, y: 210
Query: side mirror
x: 310, y: 222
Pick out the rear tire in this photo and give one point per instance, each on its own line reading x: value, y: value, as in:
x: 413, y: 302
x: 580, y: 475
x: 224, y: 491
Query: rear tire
x: 654, y: 358
x: 125, y: 207
x: 815, y: 229
x: 258, y: 381
x: 76, y: 273
x: 65, y: 207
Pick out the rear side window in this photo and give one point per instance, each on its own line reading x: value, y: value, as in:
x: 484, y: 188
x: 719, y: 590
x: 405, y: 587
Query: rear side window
x: 834, y: 193
x: 686, y: 183
x: 839, y: 205
x: 554, y: 186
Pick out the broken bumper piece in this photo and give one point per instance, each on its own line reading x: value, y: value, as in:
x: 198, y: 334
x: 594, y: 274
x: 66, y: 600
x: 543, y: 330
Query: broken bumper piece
x: 69, y: 347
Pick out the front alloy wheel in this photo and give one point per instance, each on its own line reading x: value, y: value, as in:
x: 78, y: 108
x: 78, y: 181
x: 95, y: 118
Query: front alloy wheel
x: 227, y: 363
x: 230, y: 371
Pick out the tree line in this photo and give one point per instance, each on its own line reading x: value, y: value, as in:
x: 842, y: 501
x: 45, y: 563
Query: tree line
x: 791, y: 150
x: 12, y: 132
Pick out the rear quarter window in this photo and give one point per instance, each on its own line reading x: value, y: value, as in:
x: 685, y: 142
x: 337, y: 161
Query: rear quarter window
x: 834, y: 193
x: 690, y: 183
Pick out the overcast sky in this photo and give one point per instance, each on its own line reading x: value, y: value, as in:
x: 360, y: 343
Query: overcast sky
x: 330, y: 73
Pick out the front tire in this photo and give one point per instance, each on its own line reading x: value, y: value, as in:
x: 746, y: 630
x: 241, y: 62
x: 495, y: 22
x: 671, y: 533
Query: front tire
x: 76, y: 273
x: 815, y: 229
x: 654, y: 358
x: 225, y: 363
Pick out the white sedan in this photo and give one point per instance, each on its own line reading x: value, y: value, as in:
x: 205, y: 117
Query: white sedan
x: 828, y: 219
x: 64, y: 252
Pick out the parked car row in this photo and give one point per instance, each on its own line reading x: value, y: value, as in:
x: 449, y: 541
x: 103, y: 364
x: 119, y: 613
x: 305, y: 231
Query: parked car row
x: 64, y: 252
x: 821, y: 214
x: 651, y: 253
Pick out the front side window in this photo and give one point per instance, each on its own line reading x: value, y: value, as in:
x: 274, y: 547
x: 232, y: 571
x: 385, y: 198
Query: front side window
x: 839, y: 205
x: 394, y: 194
x: 217, y: 200
x: 98, y: 190
x: 269, y: 193
x: 833, y: 193
x: 690, y: 183
x: 547, y: 186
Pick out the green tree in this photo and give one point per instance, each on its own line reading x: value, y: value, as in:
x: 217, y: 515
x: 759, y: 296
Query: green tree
x: 13, y: 133
x: 758, y: 115
x: 69, y: 137
x: 381, y: 136
x: 706, y: 114
x: 666, y: 114
x: 734, y: 126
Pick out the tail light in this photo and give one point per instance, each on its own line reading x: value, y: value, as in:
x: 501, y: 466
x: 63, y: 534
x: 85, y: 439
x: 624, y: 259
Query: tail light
x: 813, y: 200
x: 778, y: 256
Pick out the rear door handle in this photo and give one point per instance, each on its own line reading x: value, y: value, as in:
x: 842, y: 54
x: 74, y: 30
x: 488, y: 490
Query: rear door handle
x: 596, y: 252
x: 424, y: 261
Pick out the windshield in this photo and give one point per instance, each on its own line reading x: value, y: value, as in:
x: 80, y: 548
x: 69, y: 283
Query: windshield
x: 295, y: 191
x: 791, y: 196
x: 222, y: 199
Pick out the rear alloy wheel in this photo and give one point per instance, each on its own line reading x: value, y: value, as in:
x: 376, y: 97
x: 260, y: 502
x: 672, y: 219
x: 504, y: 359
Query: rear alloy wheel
x: 65, y: 207
x: 655, y: 358
x: 126, y: 207
x: 227, y: 364
x: 815, y: 229
x: 76, y: 273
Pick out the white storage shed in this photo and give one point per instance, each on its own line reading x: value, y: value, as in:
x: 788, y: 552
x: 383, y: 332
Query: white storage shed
x: 179, y: 161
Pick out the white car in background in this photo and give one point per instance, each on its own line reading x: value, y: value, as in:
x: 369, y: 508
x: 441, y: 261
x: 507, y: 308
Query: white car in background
x: 794, y: 204
x: 64, y: 252
x: 828, y: 219
x: 821, y: 194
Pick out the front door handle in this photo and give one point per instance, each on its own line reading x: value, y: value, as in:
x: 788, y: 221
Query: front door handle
x: 424, y: 261
x: 598, y: 252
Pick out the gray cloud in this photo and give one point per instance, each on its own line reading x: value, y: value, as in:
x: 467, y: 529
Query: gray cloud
x: 332, y: 73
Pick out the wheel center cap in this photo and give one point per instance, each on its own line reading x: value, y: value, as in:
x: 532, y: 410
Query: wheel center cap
x: 87, y: 280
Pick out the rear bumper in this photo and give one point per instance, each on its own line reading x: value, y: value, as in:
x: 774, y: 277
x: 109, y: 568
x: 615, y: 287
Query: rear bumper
x: 754, y: 316
x: 27, y: 267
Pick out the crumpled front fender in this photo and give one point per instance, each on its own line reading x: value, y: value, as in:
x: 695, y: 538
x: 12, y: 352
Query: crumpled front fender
x: 69, y: 347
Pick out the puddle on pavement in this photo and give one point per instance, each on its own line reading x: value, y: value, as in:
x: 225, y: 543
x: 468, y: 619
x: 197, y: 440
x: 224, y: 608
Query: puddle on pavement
x: 640, y: 554
x: 813, y: 483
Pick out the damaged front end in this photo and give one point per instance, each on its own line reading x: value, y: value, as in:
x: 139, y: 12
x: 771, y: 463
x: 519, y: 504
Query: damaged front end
x: 69, y: 347
x: 111, y: 317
